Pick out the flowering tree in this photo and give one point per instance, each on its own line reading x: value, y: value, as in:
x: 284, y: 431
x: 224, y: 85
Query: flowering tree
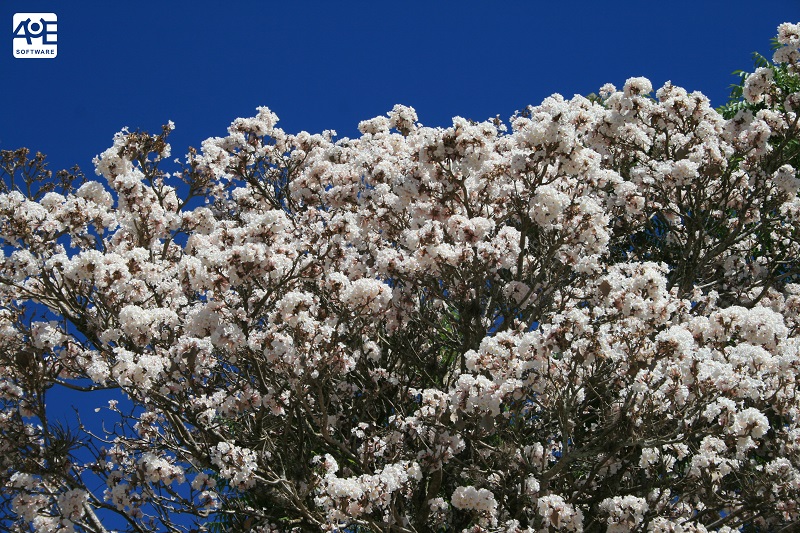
x: 587, y: 322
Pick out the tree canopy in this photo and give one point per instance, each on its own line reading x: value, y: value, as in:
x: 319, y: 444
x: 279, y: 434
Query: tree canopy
x: 585, y: 319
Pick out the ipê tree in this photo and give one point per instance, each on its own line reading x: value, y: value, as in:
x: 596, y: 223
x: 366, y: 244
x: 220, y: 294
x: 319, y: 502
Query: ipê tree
x: 588, y: 322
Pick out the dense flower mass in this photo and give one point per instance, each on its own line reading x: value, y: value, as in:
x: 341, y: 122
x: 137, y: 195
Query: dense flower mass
x: 585, y: 320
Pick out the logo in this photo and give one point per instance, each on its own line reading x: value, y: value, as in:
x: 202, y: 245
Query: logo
x: 35, y: 35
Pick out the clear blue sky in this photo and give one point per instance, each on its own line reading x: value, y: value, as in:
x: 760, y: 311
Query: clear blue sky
x: 328, y: 65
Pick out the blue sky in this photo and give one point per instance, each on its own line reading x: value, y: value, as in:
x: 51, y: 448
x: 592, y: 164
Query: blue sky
x: 328, y: 65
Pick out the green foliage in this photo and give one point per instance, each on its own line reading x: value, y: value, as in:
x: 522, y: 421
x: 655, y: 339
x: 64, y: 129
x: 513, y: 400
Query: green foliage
x: 786, y: 82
